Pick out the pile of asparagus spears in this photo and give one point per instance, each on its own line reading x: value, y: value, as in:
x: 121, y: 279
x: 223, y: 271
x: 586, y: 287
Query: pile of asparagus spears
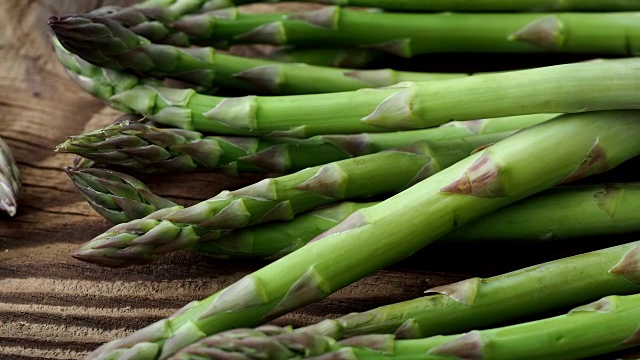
x: 482, y: 158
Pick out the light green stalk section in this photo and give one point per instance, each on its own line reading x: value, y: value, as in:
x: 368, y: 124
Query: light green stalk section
x: 406, y: 34
x: 561, y: 213
x: 573, y: 146
x: 469, y: 304
x: 273, y: 199
x: 10, y: 184
x: 490, y: 5
x: 125, y: 50
x: 326, y: 56
x: 145, y: 148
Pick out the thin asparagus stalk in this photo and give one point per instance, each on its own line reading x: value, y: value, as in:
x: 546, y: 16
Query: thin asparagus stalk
x: 411, y: 34
x: 355, y: 58
x: 109, y: 44
x: 560, y: 213
x: 456, y: 307
x: 555, y: 89
x: 116, y: 196
x: 145, y: 148
x: 583, y: 332
x: 573, y: 146
x: 9, y: 180
x: 490, y: 5
x: 275, y: 199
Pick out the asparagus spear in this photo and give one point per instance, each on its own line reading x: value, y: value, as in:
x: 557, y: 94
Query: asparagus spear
x: 583, y: 332
x: 490, y: 5
x: 9, y: 180
x: 560, y: 213
x: 109, y: 44
x: 325, y: 56
x: 145, y: 148
x: 445, y: 310
x: 276, y: 199
x: 411, y: 34
x: 555, y: 89
x: 116, y: 196
x: 573, y: 146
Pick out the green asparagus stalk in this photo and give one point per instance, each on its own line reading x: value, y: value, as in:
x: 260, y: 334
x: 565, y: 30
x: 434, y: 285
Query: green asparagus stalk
x: 583, y: 332
x: 490, y: 5
x: 109, y: 44
x: 411, y: 34
x: 573, y: 146
x: 560, y: 213
x: 457, y: 307
x: 116, y: 196
x: 275, y: 199
x: 555, y: 89
x: 9, y: 180
x: 355, y: 58
x: 144, y: 148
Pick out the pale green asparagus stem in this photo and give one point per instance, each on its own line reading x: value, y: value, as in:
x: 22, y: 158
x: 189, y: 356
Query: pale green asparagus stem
x: 560, y: 213
x: 9, y: 180
x: 490, y: 5
x: 585, y: 331
x: 556, y: 89
x: 573, y: 146
x: 276, y: 199
x: 457, y: 307
x: 145, y: 148
x: 110, y: 44
x: 411, y: 34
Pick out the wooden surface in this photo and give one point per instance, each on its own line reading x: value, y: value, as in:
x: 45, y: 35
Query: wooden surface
x: 52, y: 306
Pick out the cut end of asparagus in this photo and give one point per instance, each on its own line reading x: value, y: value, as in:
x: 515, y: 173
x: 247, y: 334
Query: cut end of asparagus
x: 546, y: 33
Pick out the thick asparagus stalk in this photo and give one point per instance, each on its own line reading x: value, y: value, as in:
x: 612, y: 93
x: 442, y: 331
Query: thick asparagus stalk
x: 109, y: 44
x: 326, y: 56
x: 9, y: 180
x: 116, y: 196
x: 556, y: 89
x: 583, y: 332
x: 144, y: 148
x: 505, y: 297
x: 411, y: 34
x: 573, y: 146
x: 490, y: 5
x: 274, y: 199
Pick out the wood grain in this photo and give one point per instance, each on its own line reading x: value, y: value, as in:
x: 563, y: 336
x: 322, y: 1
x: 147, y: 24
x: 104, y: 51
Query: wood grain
x: 52, y: 306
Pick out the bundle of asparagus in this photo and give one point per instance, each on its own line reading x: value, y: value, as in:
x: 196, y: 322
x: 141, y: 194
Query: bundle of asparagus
x: 455, y: 178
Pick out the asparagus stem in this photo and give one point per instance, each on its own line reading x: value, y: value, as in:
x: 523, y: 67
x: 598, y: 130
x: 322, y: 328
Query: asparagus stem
x: 555, y: 89
x: 583, y: 332
x: 376, y: 237
x: 9, y: 180
x: 110, y: 44
x: 560, y: 213
x: 411, y: 34
x: 275, y: 199
x: 326, y: 56
x: 144, y: 148
x: 489, y: 301
x: 491, y: 5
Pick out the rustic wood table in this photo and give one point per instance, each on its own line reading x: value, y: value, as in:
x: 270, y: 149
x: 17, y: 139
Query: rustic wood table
x: 52, y: 306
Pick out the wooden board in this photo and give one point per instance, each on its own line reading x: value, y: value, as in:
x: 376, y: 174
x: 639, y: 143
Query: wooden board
x: 52, y: 306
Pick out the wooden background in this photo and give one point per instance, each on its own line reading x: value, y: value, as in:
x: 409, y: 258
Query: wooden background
x: 52, y: 306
